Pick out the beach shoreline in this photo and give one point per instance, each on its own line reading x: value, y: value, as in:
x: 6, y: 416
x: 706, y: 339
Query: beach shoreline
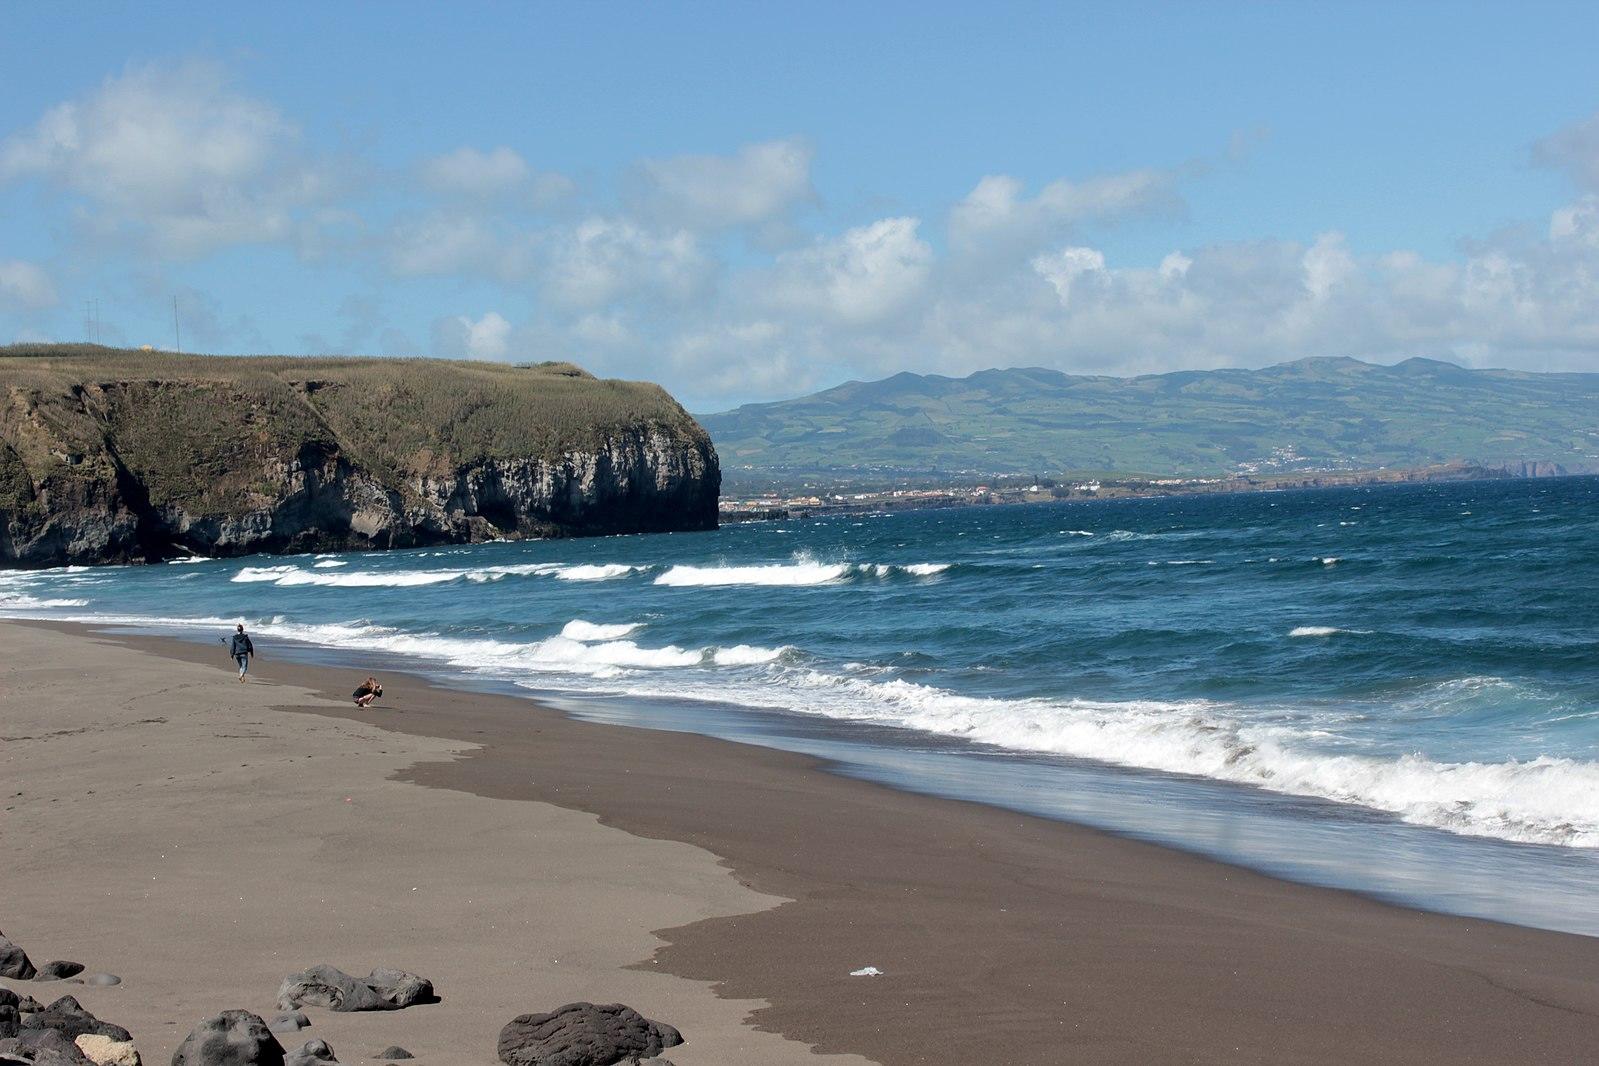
x: 1000, y: 937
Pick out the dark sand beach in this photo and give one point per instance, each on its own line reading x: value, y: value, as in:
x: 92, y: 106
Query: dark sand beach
x: 470, y: 837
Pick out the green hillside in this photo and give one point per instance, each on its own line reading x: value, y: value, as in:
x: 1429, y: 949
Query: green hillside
x: 1311, y: 414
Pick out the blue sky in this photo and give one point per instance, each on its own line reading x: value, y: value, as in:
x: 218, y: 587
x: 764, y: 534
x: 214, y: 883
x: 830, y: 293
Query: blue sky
x: 748, y: 201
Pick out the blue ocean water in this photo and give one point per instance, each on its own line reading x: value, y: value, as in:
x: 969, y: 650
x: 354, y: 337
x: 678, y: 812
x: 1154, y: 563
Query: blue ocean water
x: 1394, y: 689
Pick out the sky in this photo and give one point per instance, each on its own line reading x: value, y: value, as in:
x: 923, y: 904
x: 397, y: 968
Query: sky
x: 747, y: 202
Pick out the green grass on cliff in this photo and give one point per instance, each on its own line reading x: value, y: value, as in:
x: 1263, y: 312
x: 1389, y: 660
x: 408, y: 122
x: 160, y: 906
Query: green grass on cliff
x: 203, y: 429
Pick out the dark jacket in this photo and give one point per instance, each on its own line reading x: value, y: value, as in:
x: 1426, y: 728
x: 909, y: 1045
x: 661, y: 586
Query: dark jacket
x: 239, y: 644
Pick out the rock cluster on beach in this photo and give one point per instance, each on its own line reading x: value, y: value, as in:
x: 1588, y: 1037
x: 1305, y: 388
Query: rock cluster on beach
x: 65, y: 1033
x: 62, y: 1034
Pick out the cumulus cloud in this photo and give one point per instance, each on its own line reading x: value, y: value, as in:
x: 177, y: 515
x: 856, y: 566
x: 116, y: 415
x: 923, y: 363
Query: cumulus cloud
x: 173, y: 156
x: 464, y: 337
x: 25, y: 286
x: 863, y: 277
x: 758, y: 183
x: 998, y: 217
x: 499, y: 172
x: 604, y: 259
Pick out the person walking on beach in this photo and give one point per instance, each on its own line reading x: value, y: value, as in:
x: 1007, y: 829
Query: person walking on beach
x: 368, y: 691
x: 240, y: 647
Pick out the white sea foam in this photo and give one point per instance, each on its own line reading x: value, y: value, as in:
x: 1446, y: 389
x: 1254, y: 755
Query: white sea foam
x: 804, y: 573
x: 21, y: 601
x: 602, y: 572
x: 1543, y: 800
x: 188, y: 559
x: 1321, y: 631
x: 800, y: 572
x: 289, y: 576
x: 329, y: 564
x: 746, y: 655
x: 577, y: 629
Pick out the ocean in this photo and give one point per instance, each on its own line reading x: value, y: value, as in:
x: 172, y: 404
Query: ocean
x: 1390, y: 689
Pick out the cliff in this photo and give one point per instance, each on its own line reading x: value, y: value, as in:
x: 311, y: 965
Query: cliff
x: 119, y: 456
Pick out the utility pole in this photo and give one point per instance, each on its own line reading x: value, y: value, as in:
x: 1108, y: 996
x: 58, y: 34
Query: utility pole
x: 177, y: 337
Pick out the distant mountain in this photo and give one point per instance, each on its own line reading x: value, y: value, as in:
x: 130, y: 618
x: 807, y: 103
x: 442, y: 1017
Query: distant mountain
x: 1339, y: 414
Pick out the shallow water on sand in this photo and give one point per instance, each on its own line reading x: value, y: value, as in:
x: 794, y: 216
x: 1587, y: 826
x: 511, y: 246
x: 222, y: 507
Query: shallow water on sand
x: 1390, y: 689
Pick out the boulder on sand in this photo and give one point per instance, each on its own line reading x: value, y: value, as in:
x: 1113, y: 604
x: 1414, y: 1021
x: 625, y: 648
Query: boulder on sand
x: 311, y: 1053
x: 232, y: 1038
x: 391, y: 1054
x: 67, y: 1016
x: 14, y: 962
x: 58, y: 970
x: 103, y: 1051
x: 327, y: 986
x: 582, y: 1034
x: 43, y: 1047
x: 289, y: 1022
x: 10, y: 1019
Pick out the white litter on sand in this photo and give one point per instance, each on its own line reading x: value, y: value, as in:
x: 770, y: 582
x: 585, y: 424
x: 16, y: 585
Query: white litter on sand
x: 866, y: 971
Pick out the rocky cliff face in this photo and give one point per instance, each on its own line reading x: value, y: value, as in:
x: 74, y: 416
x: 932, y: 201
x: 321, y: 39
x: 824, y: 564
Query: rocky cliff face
x: 138, y: 470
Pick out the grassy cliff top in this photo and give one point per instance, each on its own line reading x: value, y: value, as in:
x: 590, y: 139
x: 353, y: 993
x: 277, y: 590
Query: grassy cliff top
x: 410, y: 410
x: 209, y: 432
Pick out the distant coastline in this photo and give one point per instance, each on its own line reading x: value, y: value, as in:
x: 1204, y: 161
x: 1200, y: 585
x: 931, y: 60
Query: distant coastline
x: 926, y: 492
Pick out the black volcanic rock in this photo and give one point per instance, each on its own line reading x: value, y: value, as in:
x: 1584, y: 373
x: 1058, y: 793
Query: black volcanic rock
x: 43, y: 1047
x: 393, y: 1054
x: 311, y: 1053
x: 58, y: 970
x: 14, y: 962
x: 330, y: 987
x: 232, y: 1038
x: 583, y: 1034
x: 67, y: 1016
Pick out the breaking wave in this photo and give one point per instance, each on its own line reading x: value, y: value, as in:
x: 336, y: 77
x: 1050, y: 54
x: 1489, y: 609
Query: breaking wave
x: 290, y: 576
x: 799, y: 572
x: 1543, y: 800
x: 577, y: 629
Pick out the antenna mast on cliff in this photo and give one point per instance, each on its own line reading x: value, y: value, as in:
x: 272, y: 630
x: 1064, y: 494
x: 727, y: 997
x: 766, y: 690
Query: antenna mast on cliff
x: 177, y: 337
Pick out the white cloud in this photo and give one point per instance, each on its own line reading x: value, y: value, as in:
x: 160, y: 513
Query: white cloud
x: 25, y: 286
x: 442, y: 244
x: 862, y: 277
x: 601, y: 260
x: 758, y: 183
x: 997, y: 217
x: 1064, y: 267
x: 174, y: 157
x: 463, y: 337
x: 1577, y: 223
x: 499, y: 172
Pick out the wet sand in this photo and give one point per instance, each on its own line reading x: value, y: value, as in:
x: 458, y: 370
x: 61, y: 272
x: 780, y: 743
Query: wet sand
x: 1001, y: 938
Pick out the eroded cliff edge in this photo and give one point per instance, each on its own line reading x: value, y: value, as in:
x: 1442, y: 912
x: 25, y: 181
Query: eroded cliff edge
x: 117, y: 456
